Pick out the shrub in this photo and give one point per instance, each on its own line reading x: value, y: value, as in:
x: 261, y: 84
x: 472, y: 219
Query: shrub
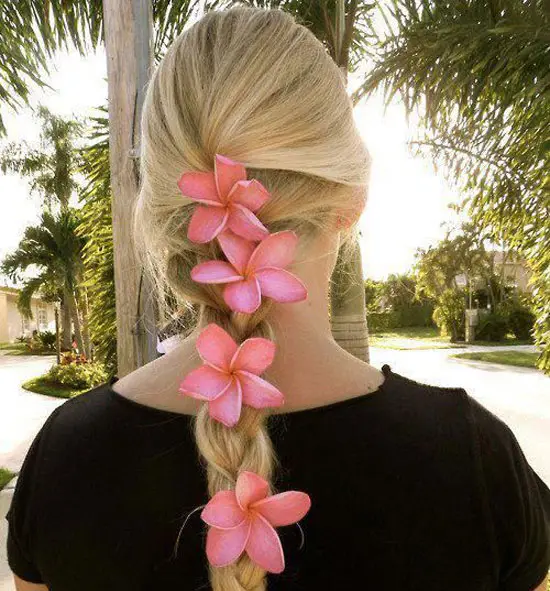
x: 78, y: 375
x: 521, y: 321
x: 47, y: 339
x: 492, y: 327
x: 449, y: 314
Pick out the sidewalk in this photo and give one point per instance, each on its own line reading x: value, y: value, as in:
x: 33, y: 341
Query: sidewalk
x: 22, y: 414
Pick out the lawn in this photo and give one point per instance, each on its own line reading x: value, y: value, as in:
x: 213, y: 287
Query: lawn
x: 518, y: 358
x: 428, y: 337
x: 412, y: 337
x: 5, y: 477
x: 21, y: 349
x: 42, y: 386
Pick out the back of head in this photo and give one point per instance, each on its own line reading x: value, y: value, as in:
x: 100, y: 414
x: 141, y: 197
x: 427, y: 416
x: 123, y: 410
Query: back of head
x: 258, y: 87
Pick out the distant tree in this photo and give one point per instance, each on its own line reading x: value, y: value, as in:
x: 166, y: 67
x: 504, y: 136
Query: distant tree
x: 438, y: 267
x: 373, y: 293
x: 51, y: 171
x: 55, y: 250
x: 399, y: 291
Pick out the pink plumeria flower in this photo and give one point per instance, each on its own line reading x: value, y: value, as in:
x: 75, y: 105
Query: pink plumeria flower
x: 229, y: 377
x: 243, y: 520
x: 226, y: 199
x: 254, y: 271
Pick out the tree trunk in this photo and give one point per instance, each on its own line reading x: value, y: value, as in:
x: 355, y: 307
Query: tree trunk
x: 66, y: 321
x: 348, y: 307
x: 84, y: 312
x: 57, y: 336
x: 76, y: 322
x: 124, y: 38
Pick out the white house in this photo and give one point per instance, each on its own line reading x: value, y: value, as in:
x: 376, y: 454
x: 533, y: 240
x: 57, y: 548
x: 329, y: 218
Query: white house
x: 13, y: 325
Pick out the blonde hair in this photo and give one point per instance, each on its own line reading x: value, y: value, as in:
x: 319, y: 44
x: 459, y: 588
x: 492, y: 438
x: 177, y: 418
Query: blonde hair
x: 256, y: 86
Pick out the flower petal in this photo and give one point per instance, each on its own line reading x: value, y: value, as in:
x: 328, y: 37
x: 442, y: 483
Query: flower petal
x: 205, y: 383
x: 223, y: 511
x: 285, y: 508
x: 281, y: 285
x: 224, y: 546
x: 254, y: 355
x: 257, y: 392
x: 214, y: 272
x: 244, y: 223
x: 206, y: 223
x: 243, y: 296
x: 277, y: 250
x: 227, y: 408
x: 216, y: 347
x: 227, y: 172
x: 264, y: 546
x: 200, y: 186
x: 252, y: 194
x: 250, y: 488
x: 236, y: 249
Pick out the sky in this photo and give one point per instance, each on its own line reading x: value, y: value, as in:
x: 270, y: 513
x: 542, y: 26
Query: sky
x: 407, y: 201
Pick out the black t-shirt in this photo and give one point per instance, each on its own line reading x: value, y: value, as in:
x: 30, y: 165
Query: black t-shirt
x: 414, y: 487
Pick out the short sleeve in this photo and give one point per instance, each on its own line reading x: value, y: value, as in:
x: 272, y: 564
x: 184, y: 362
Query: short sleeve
x: 20, y: 514
x: 517, y: 503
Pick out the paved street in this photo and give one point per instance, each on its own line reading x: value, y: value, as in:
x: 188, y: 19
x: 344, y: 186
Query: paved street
x: 520, y: 396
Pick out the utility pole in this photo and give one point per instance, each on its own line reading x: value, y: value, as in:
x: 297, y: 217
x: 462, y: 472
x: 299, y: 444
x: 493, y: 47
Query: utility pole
x: 128, y: 25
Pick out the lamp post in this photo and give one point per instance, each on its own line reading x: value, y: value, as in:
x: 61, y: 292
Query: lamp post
x: 471, y: 318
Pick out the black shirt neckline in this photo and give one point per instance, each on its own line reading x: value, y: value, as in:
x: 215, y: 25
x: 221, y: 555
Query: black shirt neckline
x: 339, y: 404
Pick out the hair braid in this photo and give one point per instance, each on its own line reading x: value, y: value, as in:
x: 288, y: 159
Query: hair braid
x: 229, y: 451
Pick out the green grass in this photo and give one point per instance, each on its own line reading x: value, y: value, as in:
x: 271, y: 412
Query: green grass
x: 41, y: 385
x: 428, y: 337
x: 517, y: 358
x: 411, y: 337
x: 21, y: 349
x: 5, y: 477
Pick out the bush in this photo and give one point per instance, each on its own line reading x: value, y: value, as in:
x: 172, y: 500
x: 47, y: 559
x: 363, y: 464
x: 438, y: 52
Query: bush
x: 449, y: 314
x: 521, y: 321
x: 404, y: 317
x: 492, y: 327
x: 78, y: 375
x: 382, y: 321
x: 47, y: 340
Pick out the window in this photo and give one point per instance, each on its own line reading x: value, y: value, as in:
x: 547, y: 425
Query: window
x: 42, y: 319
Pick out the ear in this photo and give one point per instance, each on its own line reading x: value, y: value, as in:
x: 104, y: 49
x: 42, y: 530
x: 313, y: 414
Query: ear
x: 352, y: 215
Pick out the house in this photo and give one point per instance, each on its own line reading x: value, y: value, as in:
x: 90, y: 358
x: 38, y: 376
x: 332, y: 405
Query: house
x: 515, y: 271
x: 14, y: 325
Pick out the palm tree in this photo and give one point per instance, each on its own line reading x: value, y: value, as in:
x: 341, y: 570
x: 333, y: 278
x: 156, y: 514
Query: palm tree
x: 477, y: 73
x: 51, y: 172
x: 96, y: 228
x: 55, y: 249
x: 30, y: 32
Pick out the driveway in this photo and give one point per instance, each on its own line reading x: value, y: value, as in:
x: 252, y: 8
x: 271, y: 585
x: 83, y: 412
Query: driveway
x: 519, y: 396
x: 22, y: 413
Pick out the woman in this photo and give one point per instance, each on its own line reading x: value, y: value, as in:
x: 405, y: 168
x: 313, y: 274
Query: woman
x: 253, y: 175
